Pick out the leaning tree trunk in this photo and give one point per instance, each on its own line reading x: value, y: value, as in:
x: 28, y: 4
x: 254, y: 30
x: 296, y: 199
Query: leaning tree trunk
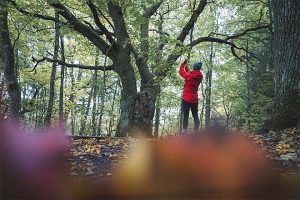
x: 137, y: 108
x: 286, y: 59
x: 128, y: 92
x: 7, y: 59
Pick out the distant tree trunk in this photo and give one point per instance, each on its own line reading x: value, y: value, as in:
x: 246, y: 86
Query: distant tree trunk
x: 94, y: 111
x: 71, y: 99
x: 157, y: 115
x: 163, y: 124
x: 248, y: 95
x: 98, y: 111
x: 248, y: 100
x: 87, y: 111
x: 227, y: 109
x: 112, y: 115
x: 7, y: 59
x: 37, y: 110
x: 53, y: 73
x: 95, y: 83
x: 202, y: 107
x: 169, y: 122
x: 158, y: 57
x: 62, y: 77
x: 102, y: 98
x: 208, y: 98
x: 286, y: 60
x: 209, y: 75
x: 208, y: 89
x: 39, y: 107
x: 43, y: 110
x: 227, y: 122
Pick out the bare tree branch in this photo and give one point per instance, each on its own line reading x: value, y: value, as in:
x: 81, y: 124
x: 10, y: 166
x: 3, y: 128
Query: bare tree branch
x: 149, y: 11
x: 19, y: 32
x: 109, y: 35
x: 186, y: 29
x: 107, y: 20
x: 181, y: 37
x: 248, y: 30
x: 117, y: 15
x: 162, y: 40
x: 60, y: 62
x: 25, y: 12
x: 210, y: 39
x: 99, y: 32
x: 85, y: 30
x: 233, y: 46
x: 160, y: 32
x: 225, y: 41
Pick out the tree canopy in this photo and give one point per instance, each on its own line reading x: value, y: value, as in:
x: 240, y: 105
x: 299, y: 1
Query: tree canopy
x: 106, y: 67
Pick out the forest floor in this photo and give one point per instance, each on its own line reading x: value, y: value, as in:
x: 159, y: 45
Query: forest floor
x: 93, y: 160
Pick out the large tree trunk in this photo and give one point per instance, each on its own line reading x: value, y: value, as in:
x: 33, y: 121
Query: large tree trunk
x: 137, y: 109
x: 141, y: 111
x: 286, y: 60
x: 128, y: 92
x: 7, y: 59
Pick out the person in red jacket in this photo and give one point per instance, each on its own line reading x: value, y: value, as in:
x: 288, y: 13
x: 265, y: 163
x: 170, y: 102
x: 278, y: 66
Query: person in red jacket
x: 190, y: 93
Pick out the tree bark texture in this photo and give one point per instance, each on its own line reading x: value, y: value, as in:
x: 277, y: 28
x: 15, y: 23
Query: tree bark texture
x: 286, y: 60
x: 8, y: 61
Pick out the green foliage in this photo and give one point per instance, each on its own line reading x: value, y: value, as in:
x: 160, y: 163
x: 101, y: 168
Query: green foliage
x: 241, y: 93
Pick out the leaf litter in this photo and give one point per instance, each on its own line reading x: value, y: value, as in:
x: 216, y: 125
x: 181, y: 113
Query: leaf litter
x: 94, y: 159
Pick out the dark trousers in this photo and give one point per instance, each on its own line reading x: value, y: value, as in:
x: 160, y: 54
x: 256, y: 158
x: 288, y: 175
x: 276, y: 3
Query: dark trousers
x: 186, y: 110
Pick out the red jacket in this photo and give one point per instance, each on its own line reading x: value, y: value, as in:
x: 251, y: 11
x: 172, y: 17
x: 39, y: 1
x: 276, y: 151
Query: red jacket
x: 192, y: 82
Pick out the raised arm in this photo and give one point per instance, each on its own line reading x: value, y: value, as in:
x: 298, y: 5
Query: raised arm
x: 184, y: 71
